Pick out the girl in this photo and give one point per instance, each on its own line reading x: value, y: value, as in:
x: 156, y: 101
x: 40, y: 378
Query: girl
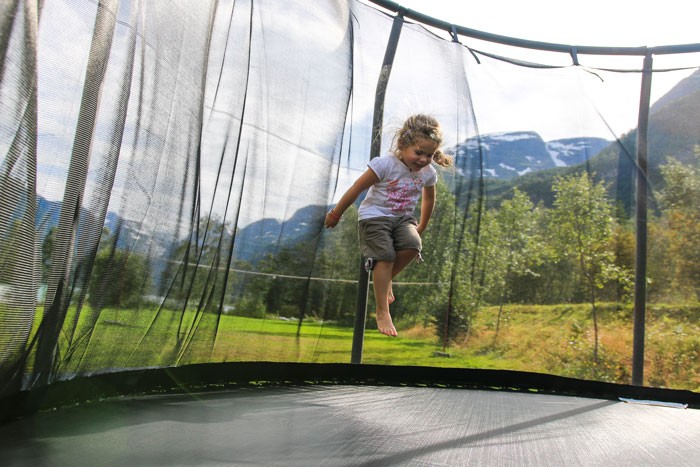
x: 388, y: 232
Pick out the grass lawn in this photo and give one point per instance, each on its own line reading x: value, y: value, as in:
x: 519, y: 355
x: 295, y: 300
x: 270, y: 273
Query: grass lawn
x: 555, y: 339
x: 276, y: 340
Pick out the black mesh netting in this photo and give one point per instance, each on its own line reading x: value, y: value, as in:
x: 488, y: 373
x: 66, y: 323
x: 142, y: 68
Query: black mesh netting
x: 166, y: 167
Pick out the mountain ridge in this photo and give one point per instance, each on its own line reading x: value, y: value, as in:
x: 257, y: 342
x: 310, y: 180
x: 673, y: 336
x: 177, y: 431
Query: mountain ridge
x: 509, y: 155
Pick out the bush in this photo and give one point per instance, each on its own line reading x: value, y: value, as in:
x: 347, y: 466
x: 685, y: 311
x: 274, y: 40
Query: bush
x: 119, y: 279
x: 450, y: 326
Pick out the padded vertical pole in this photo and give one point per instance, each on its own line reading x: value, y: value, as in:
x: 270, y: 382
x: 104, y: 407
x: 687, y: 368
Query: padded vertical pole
x: 358, y: 335
x: 375, y: 149
x: 641, y: 251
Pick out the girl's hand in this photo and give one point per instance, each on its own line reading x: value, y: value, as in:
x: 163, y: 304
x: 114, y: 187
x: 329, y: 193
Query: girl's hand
x: 332, y: 219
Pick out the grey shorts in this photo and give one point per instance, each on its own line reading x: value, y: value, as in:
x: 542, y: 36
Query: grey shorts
x: 382, y: 237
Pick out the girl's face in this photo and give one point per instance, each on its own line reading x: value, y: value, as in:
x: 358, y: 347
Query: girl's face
x: 416, y: 156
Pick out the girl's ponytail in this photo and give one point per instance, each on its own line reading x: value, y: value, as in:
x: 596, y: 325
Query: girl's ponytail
x: 442, y: 159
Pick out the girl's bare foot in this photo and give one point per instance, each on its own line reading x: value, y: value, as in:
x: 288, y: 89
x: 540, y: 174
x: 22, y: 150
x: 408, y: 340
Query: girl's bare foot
x: 391, y: 297
x: 385, y: 324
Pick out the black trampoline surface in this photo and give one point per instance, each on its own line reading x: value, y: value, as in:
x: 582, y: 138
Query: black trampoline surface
x: 355, y: 425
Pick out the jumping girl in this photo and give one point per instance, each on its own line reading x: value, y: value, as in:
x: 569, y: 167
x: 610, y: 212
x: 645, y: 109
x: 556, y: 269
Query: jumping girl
x: 389, y: 234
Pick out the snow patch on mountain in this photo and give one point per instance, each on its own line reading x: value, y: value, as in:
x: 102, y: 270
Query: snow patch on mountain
x: 572, y: 151
x: 513, y: 136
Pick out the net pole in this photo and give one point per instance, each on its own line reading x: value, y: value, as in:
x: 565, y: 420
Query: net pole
x: 641, y: 212
x: 376, y: 147
x: 358, y: 335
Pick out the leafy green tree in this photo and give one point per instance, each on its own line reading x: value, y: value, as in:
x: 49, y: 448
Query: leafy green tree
x: 46, y: 251
x: 288, y: 290
x: 119, y: 279
x: 245, y: 290
x: 10, y: 260
x: 543, y: 275
x: 338, y: 261
x: 470, y: 277
x: 623, y: 244
x: 582, y: 227
x: 518, y: 250
x: 661, y: 263
x: 195, y: 265
x: 681, y: 217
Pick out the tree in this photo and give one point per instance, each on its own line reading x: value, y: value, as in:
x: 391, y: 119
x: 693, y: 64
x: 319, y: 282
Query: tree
x: 338, y: 261
x: 10, y: 260
x: 681, y: 216
x: 582, y: 225
x: 471, y: 247
x: 518, y: 249
x: 119, y: 279
x: 195, y: 264
x: 46, y: 251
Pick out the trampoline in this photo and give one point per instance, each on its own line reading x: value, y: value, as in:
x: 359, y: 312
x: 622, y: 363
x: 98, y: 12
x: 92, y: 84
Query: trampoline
x: 345, y: 414
x: 169, y: 295
x: 355, y: 425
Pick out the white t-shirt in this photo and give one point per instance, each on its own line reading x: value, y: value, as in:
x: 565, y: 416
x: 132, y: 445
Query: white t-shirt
x: 398, y: 189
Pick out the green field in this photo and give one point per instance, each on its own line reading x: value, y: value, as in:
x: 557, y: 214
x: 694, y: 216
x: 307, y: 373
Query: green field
x: 547, y: 339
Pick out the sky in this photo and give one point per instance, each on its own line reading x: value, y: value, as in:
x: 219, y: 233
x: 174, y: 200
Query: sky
x: 607, y: 23
x: 593, y: 22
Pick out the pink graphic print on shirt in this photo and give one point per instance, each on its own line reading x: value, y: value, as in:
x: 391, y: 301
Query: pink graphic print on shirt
x: 402, y: 194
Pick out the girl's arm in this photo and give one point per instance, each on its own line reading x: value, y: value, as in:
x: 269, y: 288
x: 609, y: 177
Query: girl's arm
x: 427, y: 205
x: 363, y: 183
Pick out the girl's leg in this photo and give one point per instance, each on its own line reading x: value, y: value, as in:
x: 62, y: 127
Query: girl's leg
x: 403, y: 259
x: 382, y: 287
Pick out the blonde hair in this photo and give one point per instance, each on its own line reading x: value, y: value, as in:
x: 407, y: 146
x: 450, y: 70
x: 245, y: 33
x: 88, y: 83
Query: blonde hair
x: 421, y: 126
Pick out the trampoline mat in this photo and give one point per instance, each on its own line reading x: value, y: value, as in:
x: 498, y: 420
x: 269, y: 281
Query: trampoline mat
x: 354, y: 425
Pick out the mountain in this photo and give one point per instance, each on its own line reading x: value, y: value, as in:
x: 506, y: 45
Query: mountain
x: 673, y: 132
x: 513, y: 154
x: 253, y: 242
x: 673, y: 122
x: 48, y: 213
x: 256, y: 240
x: 684, y: 88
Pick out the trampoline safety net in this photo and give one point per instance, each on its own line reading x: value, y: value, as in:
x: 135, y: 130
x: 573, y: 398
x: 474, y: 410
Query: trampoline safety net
x: 166, y: 166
